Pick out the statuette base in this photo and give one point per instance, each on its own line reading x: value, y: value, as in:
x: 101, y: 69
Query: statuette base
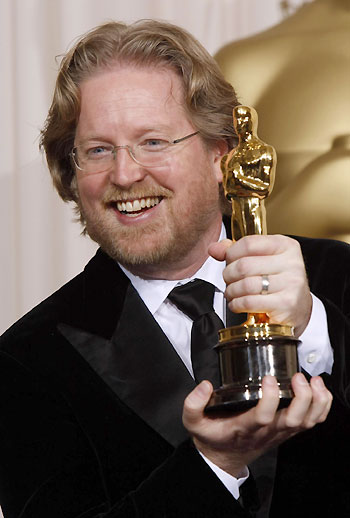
x: 243, y: 364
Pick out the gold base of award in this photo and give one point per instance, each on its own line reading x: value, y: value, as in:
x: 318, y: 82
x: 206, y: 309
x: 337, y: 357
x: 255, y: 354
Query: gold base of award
x: 256, y: 348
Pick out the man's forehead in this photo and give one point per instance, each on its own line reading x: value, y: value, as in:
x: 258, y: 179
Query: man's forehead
x: 118, y: 92
x: 160, y: 77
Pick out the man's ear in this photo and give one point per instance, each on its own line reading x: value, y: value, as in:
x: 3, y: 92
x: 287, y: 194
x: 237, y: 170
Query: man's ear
x: 220, y: 149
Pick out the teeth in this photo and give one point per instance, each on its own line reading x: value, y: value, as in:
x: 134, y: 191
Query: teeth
x: 137, y: 205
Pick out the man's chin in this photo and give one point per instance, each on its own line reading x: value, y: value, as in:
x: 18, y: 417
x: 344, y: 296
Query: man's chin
x: 140, y: 250
x: 130, y: 257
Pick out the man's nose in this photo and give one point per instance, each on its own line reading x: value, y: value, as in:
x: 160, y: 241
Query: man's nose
x: 125, y: 171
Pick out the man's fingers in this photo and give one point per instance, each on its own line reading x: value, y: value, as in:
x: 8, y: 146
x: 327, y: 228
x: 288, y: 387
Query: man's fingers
x: 195, y: 403
x: 299, y: 407
x: 321, y: 402
x: 265, y: 411
x: 257, y: 245
x: 253, y: 285
x: 260, y: 304
x: 310, y: 405
x: 218, y: 250
x: 252, y: 246
x: 251, y: 266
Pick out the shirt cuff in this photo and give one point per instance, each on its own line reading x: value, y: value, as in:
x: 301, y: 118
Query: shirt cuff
x: 231, y: 483
x: 315, y: 352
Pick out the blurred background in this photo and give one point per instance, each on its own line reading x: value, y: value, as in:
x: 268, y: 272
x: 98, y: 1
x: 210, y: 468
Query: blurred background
x: 288, y: 59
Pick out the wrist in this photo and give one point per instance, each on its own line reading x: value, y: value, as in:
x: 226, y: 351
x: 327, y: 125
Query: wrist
x: 299, y: 329
x: 226, y: 459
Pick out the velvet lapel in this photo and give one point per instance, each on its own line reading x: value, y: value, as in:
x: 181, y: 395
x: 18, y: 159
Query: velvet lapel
x: 137, y: 362
x: 150, y: 375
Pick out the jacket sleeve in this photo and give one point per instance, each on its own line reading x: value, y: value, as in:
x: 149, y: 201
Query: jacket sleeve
x: 328, y: 268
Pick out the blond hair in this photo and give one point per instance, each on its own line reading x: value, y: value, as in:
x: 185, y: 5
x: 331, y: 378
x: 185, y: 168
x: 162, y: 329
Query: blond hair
x: 209, y: 98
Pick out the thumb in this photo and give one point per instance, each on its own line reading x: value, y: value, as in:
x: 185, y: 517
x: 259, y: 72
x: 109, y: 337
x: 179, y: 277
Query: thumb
x: 196, y: 402
x: 218, y: 250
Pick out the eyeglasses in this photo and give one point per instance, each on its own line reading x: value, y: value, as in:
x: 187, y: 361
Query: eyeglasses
x: 94, y: 157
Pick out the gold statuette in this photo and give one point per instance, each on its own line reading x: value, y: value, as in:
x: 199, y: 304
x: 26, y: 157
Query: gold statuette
x: 256, y: 348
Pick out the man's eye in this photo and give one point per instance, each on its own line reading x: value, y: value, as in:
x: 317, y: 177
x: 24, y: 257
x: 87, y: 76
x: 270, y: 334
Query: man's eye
x: 94, y: 153
x: 154, y: 144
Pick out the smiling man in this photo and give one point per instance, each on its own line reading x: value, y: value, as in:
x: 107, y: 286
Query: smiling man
x: 104, y: 385
x: 161, y: 225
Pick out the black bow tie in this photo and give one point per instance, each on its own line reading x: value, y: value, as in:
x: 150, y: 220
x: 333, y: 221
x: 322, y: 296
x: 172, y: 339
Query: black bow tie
x: 195, y: 299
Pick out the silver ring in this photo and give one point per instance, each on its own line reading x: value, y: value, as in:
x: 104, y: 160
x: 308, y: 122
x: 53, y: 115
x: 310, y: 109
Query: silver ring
x: 265, y: 283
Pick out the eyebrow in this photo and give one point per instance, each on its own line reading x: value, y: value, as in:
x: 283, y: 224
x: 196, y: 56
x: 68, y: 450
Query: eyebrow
x: 138, y: 132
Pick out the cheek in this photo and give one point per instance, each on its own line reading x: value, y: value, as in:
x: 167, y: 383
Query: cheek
x: 91, y: 188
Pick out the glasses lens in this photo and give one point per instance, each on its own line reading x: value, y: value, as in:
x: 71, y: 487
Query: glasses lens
x: 93, y: 158
x: 152, y: 152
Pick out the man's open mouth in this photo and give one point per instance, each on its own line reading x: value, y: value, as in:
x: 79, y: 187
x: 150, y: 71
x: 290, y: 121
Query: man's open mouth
x: 135, y: 207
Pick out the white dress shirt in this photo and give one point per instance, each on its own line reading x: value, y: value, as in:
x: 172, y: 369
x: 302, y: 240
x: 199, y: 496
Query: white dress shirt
x: 315, y: 352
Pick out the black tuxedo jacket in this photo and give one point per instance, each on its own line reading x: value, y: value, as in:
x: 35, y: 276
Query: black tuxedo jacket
x: 90, y: 410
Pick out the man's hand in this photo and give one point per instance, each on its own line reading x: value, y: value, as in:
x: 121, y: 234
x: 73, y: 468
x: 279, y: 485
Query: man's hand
x: 288, y: 300
x: 233, y: 441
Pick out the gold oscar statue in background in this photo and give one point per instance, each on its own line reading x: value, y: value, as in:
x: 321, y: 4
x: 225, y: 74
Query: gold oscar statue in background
x: 290, y: 73
x: 256, y: 348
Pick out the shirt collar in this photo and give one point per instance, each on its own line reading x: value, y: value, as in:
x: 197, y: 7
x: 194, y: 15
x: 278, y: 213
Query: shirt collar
x: 154, y: 291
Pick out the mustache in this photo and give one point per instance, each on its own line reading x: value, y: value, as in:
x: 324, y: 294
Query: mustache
x: 114, y: 194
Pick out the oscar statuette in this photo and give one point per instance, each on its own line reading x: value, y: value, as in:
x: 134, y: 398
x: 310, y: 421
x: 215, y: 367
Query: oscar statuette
x: 256, y: 348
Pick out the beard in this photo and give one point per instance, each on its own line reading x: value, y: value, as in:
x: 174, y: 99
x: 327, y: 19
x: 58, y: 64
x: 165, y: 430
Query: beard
x: 161, y: 242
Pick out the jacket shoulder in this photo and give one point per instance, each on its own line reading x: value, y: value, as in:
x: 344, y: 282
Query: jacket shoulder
x: 44, y: 317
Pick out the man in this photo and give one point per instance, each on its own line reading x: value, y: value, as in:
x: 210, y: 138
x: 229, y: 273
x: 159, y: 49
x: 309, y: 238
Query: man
x: 94, y: 379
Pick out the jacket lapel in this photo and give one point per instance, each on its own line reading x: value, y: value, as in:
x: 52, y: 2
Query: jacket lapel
x: 125, y: 346
x: 157, y: 380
